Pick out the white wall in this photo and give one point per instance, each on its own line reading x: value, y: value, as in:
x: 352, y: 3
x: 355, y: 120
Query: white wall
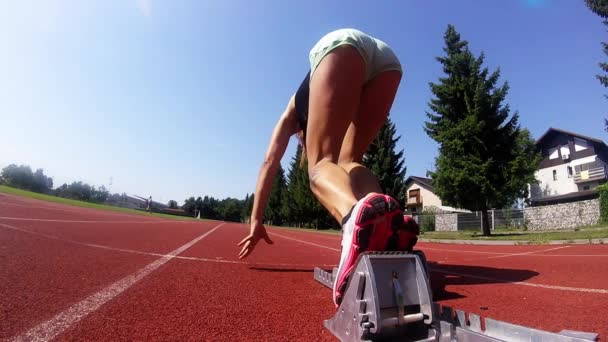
x: 550, y: 187
x: 428, y: 198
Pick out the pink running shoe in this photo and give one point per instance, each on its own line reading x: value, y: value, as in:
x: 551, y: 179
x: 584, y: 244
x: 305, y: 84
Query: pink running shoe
x: 404, y: 230
x: 364, y: 229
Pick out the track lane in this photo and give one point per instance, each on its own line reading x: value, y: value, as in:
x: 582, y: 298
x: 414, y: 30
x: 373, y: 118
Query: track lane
x: 39, y: 277
x: 206, y: 298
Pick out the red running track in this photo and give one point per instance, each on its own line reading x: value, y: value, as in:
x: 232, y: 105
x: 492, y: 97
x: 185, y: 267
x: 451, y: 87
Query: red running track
x: 69, y: 273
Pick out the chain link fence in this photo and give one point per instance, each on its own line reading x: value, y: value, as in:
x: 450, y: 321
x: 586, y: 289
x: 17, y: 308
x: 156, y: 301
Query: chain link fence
x: 498, y: 219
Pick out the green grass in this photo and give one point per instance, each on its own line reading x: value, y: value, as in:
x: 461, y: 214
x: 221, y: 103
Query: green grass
x: 522, y: 235
x: 43, y: 197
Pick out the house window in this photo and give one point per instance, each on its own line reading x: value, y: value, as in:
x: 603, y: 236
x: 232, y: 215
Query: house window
x: 586, y: 187
x: 413, y: 209
x: 569, y: 171
x: 554, y: 175
x: 565, y: 150
x: 580, y: 144
x: 553, y: 153
x: 414, y: 196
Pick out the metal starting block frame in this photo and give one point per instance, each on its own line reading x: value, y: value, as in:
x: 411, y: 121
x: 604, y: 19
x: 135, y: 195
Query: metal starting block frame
x: 389, y: 298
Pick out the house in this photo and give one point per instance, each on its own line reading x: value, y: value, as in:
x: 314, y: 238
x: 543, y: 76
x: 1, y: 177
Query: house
x: 573, y: 165
x: 420, y: 197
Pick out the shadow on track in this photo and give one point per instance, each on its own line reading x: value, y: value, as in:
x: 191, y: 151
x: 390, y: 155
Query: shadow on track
x: 443, y: 275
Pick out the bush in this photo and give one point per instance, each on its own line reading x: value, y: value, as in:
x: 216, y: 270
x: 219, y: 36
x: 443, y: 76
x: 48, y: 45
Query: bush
x: 426, y: 219
x: 603, y: 191
x: 426, y: 222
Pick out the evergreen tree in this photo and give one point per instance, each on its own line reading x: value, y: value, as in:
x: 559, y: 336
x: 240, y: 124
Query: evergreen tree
x: 485, y: 161
x: 600, y: 7
x: 301, y: 207
x: 273, y: 212
x: 386, y: 163
x: 198, y: 206
x: 229, y: 209
x: 297, y: 191
x: 189, y: 205
x: 247, y: 208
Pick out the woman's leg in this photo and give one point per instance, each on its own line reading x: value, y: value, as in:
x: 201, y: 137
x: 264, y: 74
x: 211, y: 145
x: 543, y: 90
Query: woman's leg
x: 376, y: 101
x: 335, y: 89
x: 335, y: 96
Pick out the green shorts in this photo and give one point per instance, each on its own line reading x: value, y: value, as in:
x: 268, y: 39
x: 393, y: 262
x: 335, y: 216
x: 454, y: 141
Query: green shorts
x: 378, y: 56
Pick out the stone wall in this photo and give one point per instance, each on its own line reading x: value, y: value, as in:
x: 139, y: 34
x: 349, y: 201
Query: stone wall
x: 446, y: 222
x: 563, y: 216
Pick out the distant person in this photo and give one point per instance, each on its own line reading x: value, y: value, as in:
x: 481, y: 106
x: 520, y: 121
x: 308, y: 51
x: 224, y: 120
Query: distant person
x: 336, y: 112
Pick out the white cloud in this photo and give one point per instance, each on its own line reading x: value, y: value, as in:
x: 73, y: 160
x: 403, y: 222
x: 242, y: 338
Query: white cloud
x: 145, y: 7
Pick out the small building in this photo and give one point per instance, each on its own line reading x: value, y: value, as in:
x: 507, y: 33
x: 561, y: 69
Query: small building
x: 573, y: 165
x: 420, y: 197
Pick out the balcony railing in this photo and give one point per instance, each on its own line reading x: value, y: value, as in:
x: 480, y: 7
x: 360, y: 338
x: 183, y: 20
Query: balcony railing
x: 597, y: 173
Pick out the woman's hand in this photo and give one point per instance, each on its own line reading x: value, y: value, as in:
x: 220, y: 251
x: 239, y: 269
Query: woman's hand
x: 257, y: 232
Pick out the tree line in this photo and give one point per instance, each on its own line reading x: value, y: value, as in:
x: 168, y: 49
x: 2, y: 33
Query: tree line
x: 292, y: 203
x: 22, y: 177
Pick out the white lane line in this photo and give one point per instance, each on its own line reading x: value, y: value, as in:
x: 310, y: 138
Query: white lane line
x: 527, y: 253
x: 306, y: 242
x: 132, y: 251
x: 50, y: 329
x: 552, y: 287
x: 88, y: 221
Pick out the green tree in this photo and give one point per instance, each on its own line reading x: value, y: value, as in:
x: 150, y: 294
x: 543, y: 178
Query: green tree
x: 600, y: 7
x: 40, y: 182
x: 229, y: 209
x: 301, y: 207
x: 198, y: 205
x: 172, y: 204
x: 18, y: 176
x: 273, y: 212
x: 485, y: 160
x: 210, y: 208
x: 189, y: 205
x: 383, y: 159
x: 99, y: 195
x: 247, y: 208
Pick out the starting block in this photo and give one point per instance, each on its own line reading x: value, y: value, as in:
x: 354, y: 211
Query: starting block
x: 389, y: 298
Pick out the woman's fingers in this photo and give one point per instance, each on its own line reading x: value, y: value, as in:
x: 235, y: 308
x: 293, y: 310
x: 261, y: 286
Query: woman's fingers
x: 248, y: 237
x: 247, y: 248
x: 250, y: 241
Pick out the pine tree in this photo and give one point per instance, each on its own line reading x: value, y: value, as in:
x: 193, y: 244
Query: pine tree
x: 273, y: 212
x: 301, y: 207
x: 386, y: 163
x: 247, y: 208
x: 600, y: 7
x: 298, y: 191
x: 485, y: 160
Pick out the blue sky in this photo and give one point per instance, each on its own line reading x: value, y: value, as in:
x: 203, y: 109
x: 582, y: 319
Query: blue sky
x: 178, y: 98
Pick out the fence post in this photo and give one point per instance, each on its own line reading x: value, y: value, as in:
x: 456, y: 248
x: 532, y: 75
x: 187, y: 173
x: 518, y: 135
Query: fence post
x: 493, y: 220
x: 481, y: 221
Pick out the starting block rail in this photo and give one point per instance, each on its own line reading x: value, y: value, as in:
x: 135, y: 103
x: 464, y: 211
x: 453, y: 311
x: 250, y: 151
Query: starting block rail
x: 389, y: 298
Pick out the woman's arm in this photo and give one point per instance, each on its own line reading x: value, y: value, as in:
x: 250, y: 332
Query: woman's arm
x: 284, y: 129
